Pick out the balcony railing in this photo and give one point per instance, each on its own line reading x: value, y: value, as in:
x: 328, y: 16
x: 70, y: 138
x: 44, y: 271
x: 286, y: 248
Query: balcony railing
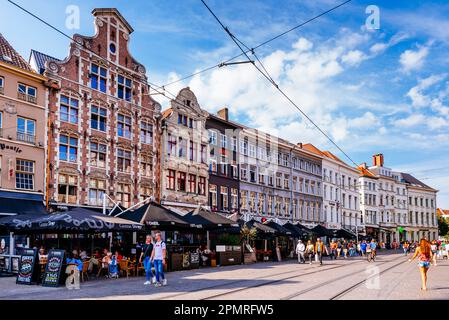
x: 26, y: 97
x: 25, y: 137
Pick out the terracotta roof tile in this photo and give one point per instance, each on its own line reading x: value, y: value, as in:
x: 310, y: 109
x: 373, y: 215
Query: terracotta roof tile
x: 10, y: 56
x: 166, y: 113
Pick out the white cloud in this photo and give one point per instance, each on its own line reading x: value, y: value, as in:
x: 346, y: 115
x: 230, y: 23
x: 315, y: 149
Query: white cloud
x: 413, y: 60
x: 411, y: 121
x: 353, y: 57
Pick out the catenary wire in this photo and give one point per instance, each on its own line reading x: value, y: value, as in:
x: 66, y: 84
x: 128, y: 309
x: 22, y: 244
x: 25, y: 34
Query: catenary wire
x: 276, y: 86
x: 258, y: 46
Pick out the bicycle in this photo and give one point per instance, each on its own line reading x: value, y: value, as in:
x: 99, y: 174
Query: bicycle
x: 370, y: 255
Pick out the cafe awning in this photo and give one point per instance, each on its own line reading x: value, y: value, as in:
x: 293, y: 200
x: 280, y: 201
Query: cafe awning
x: 298, y: 230
x: 155, y: 215
x: 280, y: 230
x: 74, y: 220
x: 322, y: 231
x: 260, y: 227
x: 342, y: 233
x: 208, y: 220
x: 14, y: 204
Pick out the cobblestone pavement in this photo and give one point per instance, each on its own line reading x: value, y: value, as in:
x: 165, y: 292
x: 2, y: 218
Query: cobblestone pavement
x: 390, y: 277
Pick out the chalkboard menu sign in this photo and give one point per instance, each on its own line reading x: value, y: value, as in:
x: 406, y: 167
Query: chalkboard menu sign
x: 52, y: 275
x: 195, y: 258
x: 27, y: 270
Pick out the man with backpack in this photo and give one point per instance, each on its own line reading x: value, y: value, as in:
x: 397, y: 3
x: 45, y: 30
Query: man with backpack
x: 158, y: 258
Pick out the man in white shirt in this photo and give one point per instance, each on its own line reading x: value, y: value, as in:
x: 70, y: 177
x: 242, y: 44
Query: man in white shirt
x: 158, y: 258
x: 300, y: 248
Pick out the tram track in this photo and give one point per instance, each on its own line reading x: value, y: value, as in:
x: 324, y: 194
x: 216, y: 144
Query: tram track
x: 336, y: 279
x: 297, y: 274
x: 269, y: 282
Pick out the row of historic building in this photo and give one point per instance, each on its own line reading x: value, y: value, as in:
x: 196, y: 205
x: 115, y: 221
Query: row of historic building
x: 85, y: 131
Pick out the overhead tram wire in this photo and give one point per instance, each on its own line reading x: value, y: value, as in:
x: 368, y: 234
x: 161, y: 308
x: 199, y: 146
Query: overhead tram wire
x: 221, y: 64
x: 276, y: 86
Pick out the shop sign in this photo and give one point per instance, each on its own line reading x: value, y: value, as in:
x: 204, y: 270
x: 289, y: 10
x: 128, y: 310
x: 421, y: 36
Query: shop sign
x: 4, y: 146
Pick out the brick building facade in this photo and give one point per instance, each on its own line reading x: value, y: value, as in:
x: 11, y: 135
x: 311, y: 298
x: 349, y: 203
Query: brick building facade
x: 103, y: 121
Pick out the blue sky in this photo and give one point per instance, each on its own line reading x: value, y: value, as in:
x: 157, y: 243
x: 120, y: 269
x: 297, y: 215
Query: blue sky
x: 375, y: 91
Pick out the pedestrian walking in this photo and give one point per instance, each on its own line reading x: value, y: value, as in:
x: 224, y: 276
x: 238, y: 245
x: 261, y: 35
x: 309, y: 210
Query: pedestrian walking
x: 363, y: 246
x: 309, y: 251
x: 300, y: 249
x: 158, y: 258
x: 434, y: 249
x: 145, y: 257
x: 319, y: 249
x: 424, y: 254
x: 333, y: 248
x: 345, y: 249
x: 338, y: 249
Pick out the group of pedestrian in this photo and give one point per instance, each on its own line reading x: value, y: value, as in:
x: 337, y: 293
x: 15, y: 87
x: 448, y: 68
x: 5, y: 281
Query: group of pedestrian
x: 310, y: 251
x: 153, y: 255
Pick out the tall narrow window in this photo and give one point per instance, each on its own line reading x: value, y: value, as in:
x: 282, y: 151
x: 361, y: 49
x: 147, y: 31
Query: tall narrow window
x: 234, y: 199
x: 145, y: 192
x: 124, y: 88
x: 26, y: 130
x: 98, y: 154
x: 171, y: 179
x: 124, y: 194
x: 182, y: 181
x: 98, y: 78
x: 171, y: 145
x: 68, y: 148
x: 2, y: 85
x: 68, y: 189
x: 24, y: 174
x: 123, y: 160
x: 202, y: 186
x: 224, y: 198
x: 203, y: 153
x: 182, y: 151
x: 213, y: 196
x: 124, y: 126
x: 146, y: 166
x: 146, y: 132
x: 98, y: 118
x: 68, y: 110
x: 192, y: 183
x: 192, y: 151
x: 97, y: 190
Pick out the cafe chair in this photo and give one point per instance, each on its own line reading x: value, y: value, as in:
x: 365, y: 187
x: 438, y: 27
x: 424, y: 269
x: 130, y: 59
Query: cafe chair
x: 124, y: 268
x: 84, y: 272
x: 140, y: 268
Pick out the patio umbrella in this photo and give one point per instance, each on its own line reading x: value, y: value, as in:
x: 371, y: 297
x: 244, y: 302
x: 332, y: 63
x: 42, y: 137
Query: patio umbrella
x: 208, y: 220
x: 342, y: 233
x: 75, y: 220
x: 280, y: 230
x: 322, y: 231
x: 155, y: 215
x: 261, y: 228
x: 298, y: 230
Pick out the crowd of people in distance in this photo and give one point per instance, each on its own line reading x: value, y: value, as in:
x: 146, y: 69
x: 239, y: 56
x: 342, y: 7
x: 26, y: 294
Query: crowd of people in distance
x: 335, y: 250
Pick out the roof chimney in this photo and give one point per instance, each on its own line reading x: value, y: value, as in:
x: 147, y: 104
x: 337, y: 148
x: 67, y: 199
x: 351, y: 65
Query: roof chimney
x: 223, y: 114
x: 378, y: 160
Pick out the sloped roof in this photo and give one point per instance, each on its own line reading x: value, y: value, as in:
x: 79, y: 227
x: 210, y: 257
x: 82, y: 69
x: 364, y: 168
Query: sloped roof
x: 166, y: 113
x: 40, y: 59
x: 10, y: 56
x: 441, y: 212
x: 408, y: 178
